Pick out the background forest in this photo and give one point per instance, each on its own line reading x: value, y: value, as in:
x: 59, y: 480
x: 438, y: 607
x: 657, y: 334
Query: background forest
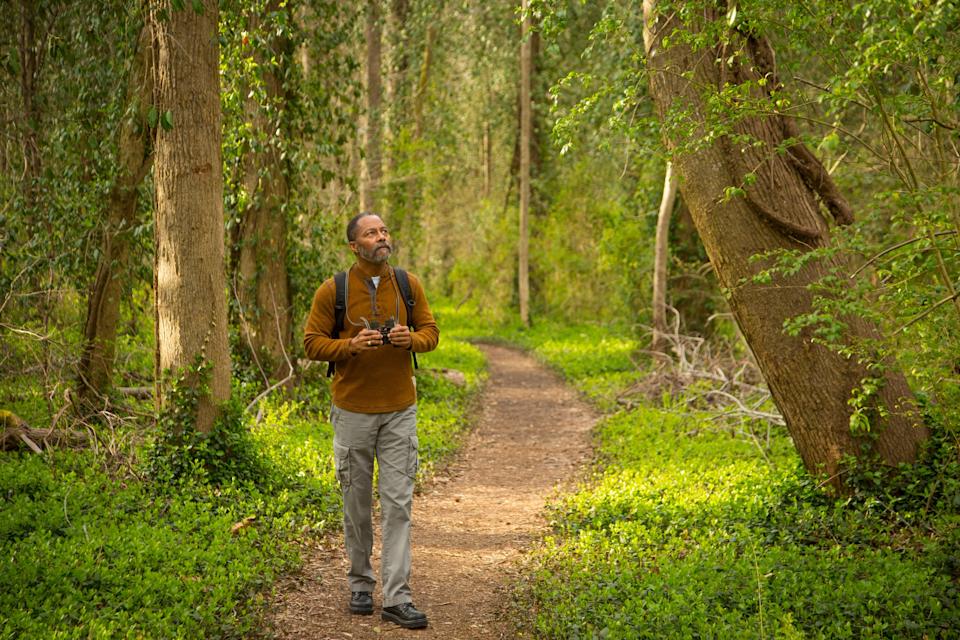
x: 734, y: 225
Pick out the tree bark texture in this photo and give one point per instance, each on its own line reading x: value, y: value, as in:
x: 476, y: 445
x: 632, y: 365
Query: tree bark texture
x: 810, y: 384
x: 423, y: 82
x: 661, y: 251
x: 526, y: 126
x: 27, y: 50
x: 191, y: 303
x: 372, y: 170
x: 133, y: 160
x: 397, y: 88
x: 262, y: 288
x: 486, y: 159
x: 397, y: 193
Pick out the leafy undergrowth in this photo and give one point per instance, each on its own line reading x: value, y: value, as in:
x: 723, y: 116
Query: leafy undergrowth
x: 689, y: 530
x: 91, y: 552
x: 597, y: 360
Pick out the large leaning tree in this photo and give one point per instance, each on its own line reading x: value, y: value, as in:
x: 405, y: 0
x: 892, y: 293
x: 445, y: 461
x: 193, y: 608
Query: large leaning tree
x: 753, y: 188
x: 191, y: 286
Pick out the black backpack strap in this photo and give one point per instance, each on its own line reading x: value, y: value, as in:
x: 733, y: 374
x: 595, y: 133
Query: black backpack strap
x: 339, y: 309
x: 403, y: 282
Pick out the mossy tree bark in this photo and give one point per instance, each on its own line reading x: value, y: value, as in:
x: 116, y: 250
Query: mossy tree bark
x: 190, y: 279
x: 262, y: 283
x: 372, y: 169
x: 29, y: 70
x: 133, y: 160
x: 810, y: 384
x: 526, y: 135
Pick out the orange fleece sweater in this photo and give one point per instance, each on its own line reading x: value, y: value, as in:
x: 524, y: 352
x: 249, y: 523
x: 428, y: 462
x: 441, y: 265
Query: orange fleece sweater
x: 378, y: 381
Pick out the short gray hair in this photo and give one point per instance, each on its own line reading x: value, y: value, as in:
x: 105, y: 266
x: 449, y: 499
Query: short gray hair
x: 354, y: 221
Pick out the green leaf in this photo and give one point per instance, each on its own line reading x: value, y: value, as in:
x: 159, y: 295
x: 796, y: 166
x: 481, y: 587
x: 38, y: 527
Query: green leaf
x: 732, y: 14
x: 166, y: 121
x: 152, y: 116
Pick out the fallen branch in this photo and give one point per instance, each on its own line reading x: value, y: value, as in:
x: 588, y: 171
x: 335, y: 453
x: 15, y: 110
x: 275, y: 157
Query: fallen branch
x: 140, y: 393
x: 17, y: 433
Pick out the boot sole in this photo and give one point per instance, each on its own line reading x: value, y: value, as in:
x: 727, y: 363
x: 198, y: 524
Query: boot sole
x: 361, y: 611
x: 419, y: 623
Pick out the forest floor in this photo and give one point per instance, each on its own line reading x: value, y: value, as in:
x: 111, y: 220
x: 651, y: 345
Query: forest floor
x: 472, y: 520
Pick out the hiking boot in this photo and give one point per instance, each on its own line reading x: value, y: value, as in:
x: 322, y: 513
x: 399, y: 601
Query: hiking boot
x: 361, y: 602
x: 405, y: 615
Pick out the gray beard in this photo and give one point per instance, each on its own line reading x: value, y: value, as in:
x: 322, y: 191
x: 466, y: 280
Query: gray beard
x: 374, y: 256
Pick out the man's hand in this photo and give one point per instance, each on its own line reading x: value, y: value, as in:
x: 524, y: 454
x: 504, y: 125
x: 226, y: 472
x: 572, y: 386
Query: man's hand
x: 366, y: 340
x: 400, y: 337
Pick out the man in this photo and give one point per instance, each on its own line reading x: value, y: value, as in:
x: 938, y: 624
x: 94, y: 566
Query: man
x: 374, y: 411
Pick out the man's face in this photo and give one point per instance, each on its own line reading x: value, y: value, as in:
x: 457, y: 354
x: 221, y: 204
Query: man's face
x: 372, y: 241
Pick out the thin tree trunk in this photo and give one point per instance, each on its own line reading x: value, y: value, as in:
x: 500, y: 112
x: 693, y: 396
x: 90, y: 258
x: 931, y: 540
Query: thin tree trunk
x: 395, y: 116
x: 526, y: 124
x: 303, y: 51
x: 370, y: 186
x: 5, y: 136
x: 410, y: 222
x: 262, y: 281
x: 134, y: 158
x: 810, y: 384
x: 486, y: 156
x: 423, y: 82
x: 660, y: 259
x: 396, y: 120
x: 191, y: 304
x: 28, y: 89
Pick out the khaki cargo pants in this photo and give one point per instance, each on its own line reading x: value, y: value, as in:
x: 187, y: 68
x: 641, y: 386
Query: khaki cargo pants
x: 391, y: 438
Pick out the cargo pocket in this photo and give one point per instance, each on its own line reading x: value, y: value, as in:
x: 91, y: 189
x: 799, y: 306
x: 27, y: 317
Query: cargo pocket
x: 341, y: 458
x: 413, y: 457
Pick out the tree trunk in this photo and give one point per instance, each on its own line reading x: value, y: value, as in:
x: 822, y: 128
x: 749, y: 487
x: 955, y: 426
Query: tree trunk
x: 5, y: 137
x: 395, y: 192
x: 526, y: 125
x: 396, y: 90
x: 406, y: 219
x: 262, y: 282
x: 423, y: 82
x: 370, y: 183
x: 103, y: 303
x: 660, y: 260
x: 810, y: 384
x: 27, y: 50
x: 191, y: 304
x: 486, y: 158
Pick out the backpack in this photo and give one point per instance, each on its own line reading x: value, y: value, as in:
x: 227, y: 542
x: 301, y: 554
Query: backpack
x: 340, y: 307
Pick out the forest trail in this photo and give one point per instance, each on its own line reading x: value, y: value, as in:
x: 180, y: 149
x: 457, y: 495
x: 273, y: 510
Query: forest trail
x: 471, y: 521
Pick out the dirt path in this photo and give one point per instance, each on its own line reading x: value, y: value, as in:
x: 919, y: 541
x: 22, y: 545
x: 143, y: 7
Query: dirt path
x: 470, y: 523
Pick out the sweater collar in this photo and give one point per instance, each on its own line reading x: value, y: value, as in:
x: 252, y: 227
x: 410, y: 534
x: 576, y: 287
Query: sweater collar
x: 371, y: 270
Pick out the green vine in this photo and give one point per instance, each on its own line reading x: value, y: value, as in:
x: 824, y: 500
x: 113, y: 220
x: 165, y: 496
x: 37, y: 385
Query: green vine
x: 181, y: 453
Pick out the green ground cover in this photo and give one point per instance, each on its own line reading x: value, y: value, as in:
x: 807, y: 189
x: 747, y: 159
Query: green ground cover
x: 686, y: 530
x: 95, y: 550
